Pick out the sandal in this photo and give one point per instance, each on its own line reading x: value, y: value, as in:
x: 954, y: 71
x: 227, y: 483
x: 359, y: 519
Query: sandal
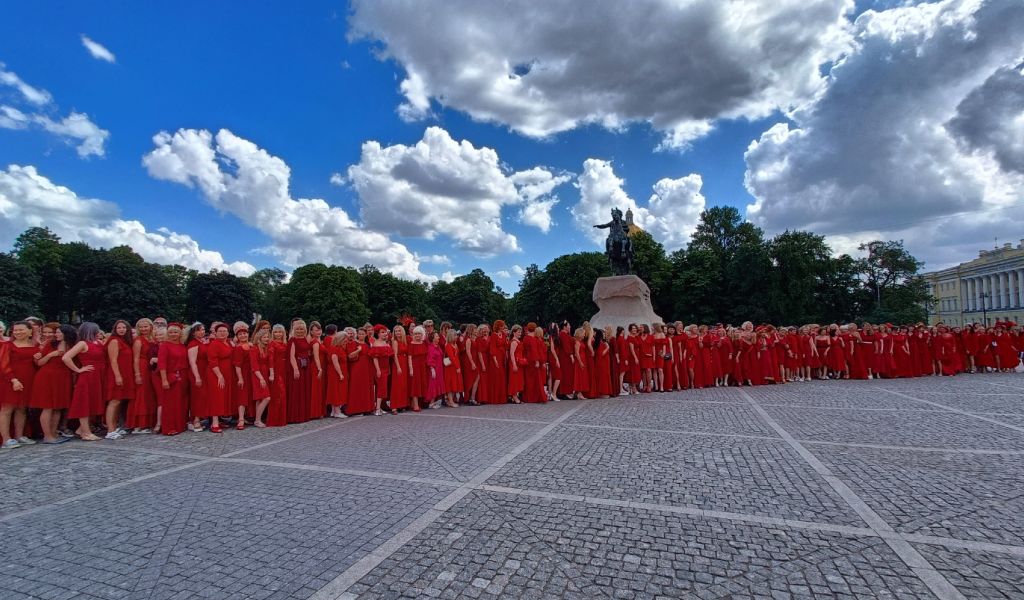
x: 90, y: 438
x: 240, y: 426
x: 216, y: 429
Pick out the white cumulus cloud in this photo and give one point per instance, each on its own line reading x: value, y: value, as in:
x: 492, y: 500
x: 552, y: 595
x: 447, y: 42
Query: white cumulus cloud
x: 443, y: 187
x: 917, y: 136
x: 235, y: 176
x: 28, y: 199
x: 670, y: 216
x: 97, y: 50
x: 547, y: 67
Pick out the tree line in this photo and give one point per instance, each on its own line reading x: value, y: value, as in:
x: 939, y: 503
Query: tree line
x: 728, y: 273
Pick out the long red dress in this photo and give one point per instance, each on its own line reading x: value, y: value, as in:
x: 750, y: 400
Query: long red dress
x: 482, y: 348
x: 581, y: 375
x: 142, y: 409
x: 695, y: 352
x: 197, y: 393
x: 566, y: 347
x: 535, y: 351
x: 602, y: 381
x: 452, y: 370
x: 902, y: 365
x: 398, y: 397
x: 259, y: 362
x: 317, y: 392
x: 125, y: 391
x: 470, y: 370
x: 836, y: 359
x: 435, y: 371
x: 21, y: 366
x: 1006, y: 351
x: 360, y: 380
x: 88, y: 399
x: 277, y: 410
x: 52, y: 385
x: 419, y: 378
x: 498, y: 368
x: 517, y: 369
x: 173, y: 358
x: 218, y: 399
x: 299, y: 389
x: 946, y: 352
x: 382, y: 355
x: 633, y: 352
x: 337, y: 388
x: 241, y: 359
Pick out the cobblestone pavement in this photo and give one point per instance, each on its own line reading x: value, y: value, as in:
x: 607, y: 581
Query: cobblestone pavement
x: 871, y: 489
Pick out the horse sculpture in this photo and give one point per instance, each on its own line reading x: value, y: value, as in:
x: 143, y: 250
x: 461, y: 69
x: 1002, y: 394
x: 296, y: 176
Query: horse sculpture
x: 618, y: 246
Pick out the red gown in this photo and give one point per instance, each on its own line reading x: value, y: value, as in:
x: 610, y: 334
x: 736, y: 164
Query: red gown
x: 946, y: 352
x: 470, y: 370
x: 453, y: 370
x: 240, y: 359
x: 399, y: 394
x: 419, y: 378
x: 566, y: 346
x: 498, y: 369
x: 902, y: 364
x: 173, y: 358
x: 20, y: 365
x: 259, y: 362
x: 435, y: 372
x: 382, y: 354
x: 218, y: 399
x: 1006, y: 350
x: 125, y: 391
x: 581, y: 375
x: 517, y: 370
x: 299, y: 389
x: 277, y: 410
x: 633, y: 352
x: 360, y: 380
x: 836, y: 359
x: 535, y: 352
x: 337, y: 387
x: 52, y: 385
x: 602, y: 382
x: 482, y: 348
x: 88, y: 399
x: 646, y: 351
x: 142, y: 409
x: 197, y: 393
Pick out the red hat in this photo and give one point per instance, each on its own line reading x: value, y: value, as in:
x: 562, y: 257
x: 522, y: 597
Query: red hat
x: 175, y: 324
x: 379, y: 328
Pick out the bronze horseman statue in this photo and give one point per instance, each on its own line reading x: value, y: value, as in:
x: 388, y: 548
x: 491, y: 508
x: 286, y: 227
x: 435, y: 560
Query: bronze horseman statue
x: 618, y: 247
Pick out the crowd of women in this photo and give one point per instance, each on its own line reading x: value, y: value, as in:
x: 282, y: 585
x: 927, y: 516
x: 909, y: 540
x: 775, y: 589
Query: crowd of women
x: 160, y: 377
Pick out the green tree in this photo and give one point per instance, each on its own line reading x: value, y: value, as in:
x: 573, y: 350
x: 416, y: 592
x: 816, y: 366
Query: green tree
x: 265, y: 286
x: 220, y: 296
x: 19, y: 294
x: 179, y: 278
x: 695, y: 286
x: 329, y: 294
x: 890, y: 275
x: 389, y: 297
x: 799, y: 260
x: 470, y: 298
x: 530, y: 302
x: 839, y: 295
x: 118, y: 284
x: 40, y: 250
x: 651, y: 265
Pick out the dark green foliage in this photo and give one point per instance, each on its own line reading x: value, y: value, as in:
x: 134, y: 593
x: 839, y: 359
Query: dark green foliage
x: 470, y: 298
x: 220, y: 296
x: 389, y: 298
x: 329, y: 294
x: 19, y: 294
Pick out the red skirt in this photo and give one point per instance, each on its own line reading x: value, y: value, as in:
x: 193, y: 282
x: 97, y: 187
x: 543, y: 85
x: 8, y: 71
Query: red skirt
x: 51, y: 387
x: 87, y: 399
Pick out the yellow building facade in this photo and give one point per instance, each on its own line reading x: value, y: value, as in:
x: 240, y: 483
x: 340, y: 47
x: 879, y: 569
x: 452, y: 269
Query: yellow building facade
x: 987, y: 289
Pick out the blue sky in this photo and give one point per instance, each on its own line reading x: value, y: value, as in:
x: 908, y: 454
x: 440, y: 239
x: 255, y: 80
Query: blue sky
x: 290, y: 81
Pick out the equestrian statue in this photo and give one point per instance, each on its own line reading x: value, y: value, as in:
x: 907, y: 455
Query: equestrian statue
x: 618, y: 247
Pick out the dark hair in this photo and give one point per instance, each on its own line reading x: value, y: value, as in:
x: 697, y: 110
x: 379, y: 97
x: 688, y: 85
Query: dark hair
x: 598, y: 338
x: 553, y: 331
x: 331, y: 329
x: 127, y: 337
x: 70, y: 336
x: 23, y: 323
x: 619, y: 330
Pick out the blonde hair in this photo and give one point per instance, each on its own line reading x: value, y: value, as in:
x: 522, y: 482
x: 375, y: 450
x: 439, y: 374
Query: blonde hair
x: 259, y: 335
x: 295, y: 325
x: 451, y: 336
x: 276, y: 328
x: 145, y: 321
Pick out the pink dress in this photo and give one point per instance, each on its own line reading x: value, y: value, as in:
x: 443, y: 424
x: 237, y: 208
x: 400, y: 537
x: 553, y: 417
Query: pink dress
x: 435, y: 371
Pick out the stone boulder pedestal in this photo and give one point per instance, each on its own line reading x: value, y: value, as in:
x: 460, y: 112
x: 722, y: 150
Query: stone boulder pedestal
x: 622, y: 300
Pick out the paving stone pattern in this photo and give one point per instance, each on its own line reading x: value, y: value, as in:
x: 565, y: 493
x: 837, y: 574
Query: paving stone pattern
x: 854, y: 489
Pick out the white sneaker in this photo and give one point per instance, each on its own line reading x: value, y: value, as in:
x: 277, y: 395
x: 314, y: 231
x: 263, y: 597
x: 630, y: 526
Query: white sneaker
x: 10, y: 444
x: 114, y: 435
x: 141, y: 431
x: 122, y: 431
x: 26, y: 441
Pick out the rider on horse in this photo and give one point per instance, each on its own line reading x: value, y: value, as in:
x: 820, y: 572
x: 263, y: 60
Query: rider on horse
x: 618, y: 247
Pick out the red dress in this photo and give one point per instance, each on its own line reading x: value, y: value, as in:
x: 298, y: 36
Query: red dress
x: 317, y: 391
x: 259, y: 362
x: 240, y: 359
x: 88, y: 399
x: 646, y: 351
x: 435, y: 371
x: 517, y: 370
x: 836, y: 359
x: 1006, y: 351
x: 337, y: 388
x: 498, y: 372
x: 382, y: 355
x: 566, y: 346
x: 902, y: 365
x: 946, y: 352
x: 21, y: 366
x: 52, y: 386
x: 535, y: 352
x: 452, y: 370
x: 218, y: 399
x: 581, y: 375
x: 277, y: 410
x: 142, y: 409
x: 419, y: 378
x: 360, y: 380
x: 173, y: 358
x: 299, y: 389
x: 602, y: 382
x: 482, y: 348
x: 399, y: 394
x: 126, y: 390
x: 470, y: 370
x: 197, y: 393
x: 633, y: 352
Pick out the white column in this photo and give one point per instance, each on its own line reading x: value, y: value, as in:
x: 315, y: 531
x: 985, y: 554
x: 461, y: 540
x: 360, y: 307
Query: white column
x: 977, y: 293
x: 1001, y: 278
x: 986, y: 284
x: 969, y: 294
x: 1008, y: 276
x: 1020, y: 288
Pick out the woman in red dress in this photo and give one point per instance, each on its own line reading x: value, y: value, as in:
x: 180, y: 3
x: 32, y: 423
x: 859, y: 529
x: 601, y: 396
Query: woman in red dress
x: 277, y: 410
x: 535, y: 352
x: 360, y: 374
x: 646, y: 351
x: 482, y: 350
x: 51, y: 388
x: 902, y: 364
x: 452, y: 369
x: 671, y: 378
x: 219, y: 377
x: 581, y: 376
x: 172, y: 364
x: 120, y: 376
x: 601, y: 385
x: 555, y: 370
x: 87, y: 400
x: 299, y: 376
x: 17, y: 373
x: 622, y: 360
x: 633, y: 371
x: 419, y: 376
x: 337, y: 374
x: 658, y: 369
x: 1004, y: 349
x: 380, y: 355
x: 196, y: 346
x: 398, y: 397
x: 837, y: 354
x: 498, y: 367
x: 516, y: 365
x: 141, y: 415
x: 567, y: 359
x: 435, y: 367
x: 241, y: 361
x: 317, y: 404
x: 159, y: 337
